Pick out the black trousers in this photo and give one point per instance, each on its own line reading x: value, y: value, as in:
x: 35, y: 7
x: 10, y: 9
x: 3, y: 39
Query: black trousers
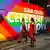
x: 24, y: 35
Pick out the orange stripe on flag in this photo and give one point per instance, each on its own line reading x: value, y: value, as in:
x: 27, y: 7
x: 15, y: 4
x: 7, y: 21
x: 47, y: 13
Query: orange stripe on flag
x: 4, y: 32
x: 9, y: 28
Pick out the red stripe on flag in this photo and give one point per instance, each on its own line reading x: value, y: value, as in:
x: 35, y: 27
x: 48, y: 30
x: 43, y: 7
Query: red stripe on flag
x: 9, y: 28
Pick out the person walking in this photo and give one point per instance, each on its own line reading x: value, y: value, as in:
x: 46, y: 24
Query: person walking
x: 32, y: 33
x: 23, y: 33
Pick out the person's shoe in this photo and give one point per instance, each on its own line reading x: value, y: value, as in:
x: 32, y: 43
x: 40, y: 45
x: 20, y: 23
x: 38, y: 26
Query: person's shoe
x: 33, y: 42
x: 24, y: 42
x: 19, y: 41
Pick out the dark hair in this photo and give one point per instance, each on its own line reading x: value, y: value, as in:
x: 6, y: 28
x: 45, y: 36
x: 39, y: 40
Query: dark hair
x: 22, y: 19
x: 32, y: 19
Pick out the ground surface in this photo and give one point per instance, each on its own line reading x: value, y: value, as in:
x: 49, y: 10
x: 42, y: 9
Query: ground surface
x: 42, y: 43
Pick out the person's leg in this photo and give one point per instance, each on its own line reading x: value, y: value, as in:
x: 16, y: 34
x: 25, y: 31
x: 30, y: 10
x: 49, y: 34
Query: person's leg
x: 25, y: 37
x: 31, y: 43
x: 34, y: 39
x: 20, y: 37
x: 31, y: 40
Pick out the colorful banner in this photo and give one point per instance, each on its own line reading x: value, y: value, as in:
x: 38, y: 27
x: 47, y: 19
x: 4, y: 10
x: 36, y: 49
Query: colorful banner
x: 10, y: 26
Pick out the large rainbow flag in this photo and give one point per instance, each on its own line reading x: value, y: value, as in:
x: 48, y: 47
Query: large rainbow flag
x: 10, y: 30
x: 7, y: 32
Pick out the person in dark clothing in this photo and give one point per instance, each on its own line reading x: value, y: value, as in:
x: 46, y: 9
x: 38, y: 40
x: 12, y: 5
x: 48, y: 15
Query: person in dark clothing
x: 24, y: 31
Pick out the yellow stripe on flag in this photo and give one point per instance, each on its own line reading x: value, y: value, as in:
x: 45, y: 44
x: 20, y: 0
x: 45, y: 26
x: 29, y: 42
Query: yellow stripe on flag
x: 2, y: 37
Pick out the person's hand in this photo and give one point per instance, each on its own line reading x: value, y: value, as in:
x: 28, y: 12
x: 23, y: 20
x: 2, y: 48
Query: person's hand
x: 23, y: 30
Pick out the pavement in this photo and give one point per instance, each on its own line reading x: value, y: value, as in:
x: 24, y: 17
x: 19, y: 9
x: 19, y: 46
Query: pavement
x: 42, y: 43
